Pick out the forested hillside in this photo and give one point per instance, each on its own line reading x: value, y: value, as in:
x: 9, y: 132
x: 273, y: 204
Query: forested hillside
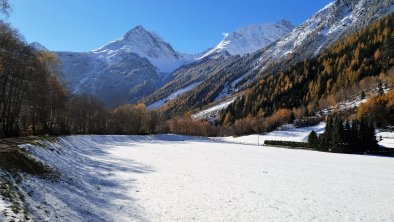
x: 336, y: 20
x: 33, y: 101
x: 324, y: 80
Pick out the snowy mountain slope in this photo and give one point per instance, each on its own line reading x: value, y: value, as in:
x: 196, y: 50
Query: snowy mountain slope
x: 326, y: 26
x: 250, y: 38
x: 148, y: 45
x: 245, y: 40
x: 116, y: 178
x: 212, y: 113
x: 126, y: 80
x: 186, y: 76
x: 317, y: 33
x: 123, y: 71
x: 172, y: 96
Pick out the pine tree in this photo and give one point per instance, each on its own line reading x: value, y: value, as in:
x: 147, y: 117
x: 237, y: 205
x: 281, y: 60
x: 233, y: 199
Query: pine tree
x: 291, y: 118
x: 363, y: 96
x: 380, y: 88
x: 313, y: 140
x: 337, y: 134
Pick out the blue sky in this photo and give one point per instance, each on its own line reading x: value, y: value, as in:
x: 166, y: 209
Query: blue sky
x: 188, y: 25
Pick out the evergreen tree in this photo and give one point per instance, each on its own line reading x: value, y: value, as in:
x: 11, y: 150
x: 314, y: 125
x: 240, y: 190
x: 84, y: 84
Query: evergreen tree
x: 313, y: 139
x: 291, y: 118
x: 380, y: 88
x: 363, y: 96
x: 337, y: 134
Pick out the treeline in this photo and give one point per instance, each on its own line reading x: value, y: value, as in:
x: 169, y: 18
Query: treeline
x: 24, y: 82
x: 33, y: 101
x: 357, y: 136
x: 321, y: 81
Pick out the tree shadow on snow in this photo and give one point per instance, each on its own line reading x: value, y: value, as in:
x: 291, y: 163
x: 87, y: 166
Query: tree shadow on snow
x: 94, y: 185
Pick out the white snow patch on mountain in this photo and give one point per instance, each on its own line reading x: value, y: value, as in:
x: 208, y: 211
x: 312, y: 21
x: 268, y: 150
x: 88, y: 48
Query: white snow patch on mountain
x: 250, y: 38
x: 212, y: 113
x: 329, y: 22
x: 172, y: 96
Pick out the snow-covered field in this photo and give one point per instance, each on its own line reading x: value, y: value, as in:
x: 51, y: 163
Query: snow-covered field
x: 288, y: 133
x: 387, y: 139
x: 179, y: 178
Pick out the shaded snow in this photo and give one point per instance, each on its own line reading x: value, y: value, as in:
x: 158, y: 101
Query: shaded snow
x: 180, y: 178
x: 6, y: 213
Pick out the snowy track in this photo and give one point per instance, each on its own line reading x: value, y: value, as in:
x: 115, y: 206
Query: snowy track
x: 176, y: 178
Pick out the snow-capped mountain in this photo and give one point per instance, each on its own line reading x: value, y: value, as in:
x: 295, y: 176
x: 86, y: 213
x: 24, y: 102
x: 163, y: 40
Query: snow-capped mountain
x: 326, y: 26
x: 122, y: 71
x: 148, y: 45
x: 38, y: 46
x: 243, y: 41
x: 251, y: 38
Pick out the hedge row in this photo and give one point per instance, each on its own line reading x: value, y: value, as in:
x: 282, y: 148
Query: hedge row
x: 285, y: 143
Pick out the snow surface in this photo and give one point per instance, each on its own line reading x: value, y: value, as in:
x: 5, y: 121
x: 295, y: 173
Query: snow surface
x: 172, y: 96
x: 213, y: 112
x: 287, y: 133
x: 387, y: 139
x: 251, y: 38
x: 180, y: 178
x: 6, y: 212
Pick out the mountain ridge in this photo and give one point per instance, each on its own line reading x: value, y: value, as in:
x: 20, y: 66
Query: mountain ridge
x: 302, y: 43
x: 250, y: 38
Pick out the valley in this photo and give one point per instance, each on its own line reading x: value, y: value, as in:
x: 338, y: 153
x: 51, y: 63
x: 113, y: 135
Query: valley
x: 277, y: 120
x: 181, y: 178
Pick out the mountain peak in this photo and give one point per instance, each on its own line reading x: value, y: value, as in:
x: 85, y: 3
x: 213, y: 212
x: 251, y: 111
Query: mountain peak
x: 140, y: 31
x: 146, y: 44
x: 137, y: 29
x: 285, y: 23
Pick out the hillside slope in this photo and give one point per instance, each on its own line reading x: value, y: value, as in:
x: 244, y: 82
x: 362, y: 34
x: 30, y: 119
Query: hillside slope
x: 361, y: 59
x: 330, y: 24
